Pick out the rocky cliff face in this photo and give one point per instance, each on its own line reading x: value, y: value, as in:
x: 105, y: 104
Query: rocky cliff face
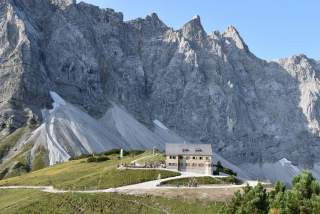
x: 207, y: 87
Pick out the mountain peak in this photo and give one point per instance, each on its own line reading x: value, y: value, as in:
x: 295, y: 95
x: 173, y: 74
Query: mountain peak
x: 232, y: 29
x: 154, y: 20
x: 232, y: 33
x: 153, y: 16
x: 193, y: 29
x: 150, y: 26
x: 300, y: 59
x: 63, y: 3
x: 196, y: 17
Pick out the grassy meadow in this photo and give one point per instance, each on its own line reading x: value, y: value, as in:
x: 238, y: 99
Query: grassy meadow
x: 207, y: 180
x: 37, y: 202
x: 158, y: 157
x: 81, y: 175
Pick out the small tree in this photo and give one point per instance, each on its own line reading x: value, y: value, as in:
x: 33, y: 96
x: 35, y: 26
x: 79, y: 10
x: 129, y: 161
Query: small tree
x: 302, y: 198
x: 276, y: 197
x: 219, y: 167
x: 252, y: 200
x: 305, y: 185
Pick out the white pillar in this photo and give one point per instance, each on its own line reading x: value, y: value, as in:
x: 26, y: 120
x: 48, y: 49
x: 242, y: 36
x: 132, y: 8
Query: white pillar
x: 121, y: 153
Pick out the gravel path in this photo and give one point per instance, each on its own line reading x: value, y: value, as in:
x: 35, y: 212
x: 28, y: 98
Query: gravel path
x: 149, y: 185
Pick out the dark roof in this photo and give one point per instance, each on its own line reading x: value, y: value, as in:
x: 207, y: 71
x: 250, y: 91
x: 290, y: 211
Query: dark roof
x: 188, y: 149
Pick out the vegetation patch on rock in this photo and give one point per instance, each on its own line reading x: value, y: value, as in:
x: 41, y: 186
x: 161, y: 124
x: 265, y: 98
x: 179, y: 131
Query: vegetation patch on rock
x: 195, y: 181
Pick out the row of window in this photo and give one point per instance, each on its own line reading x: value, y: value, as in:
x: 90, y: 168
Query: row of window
x: 190, y: 164
x: 188, y: 157
x: 187, y: 150
x: 194, y: 164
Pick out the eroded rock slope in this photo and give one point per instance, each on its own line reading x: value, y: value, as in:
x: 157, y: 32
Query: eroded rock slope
x: 206, y: 87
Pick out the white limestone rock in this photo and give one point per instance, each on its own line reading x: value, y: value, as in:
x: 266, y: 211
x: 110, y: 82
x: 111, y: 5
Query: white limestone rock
x: 205, y: 87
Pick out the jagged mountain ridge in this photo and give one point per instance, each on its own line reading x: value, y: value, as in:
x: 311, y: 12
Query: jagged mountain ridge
x: 205, y: 87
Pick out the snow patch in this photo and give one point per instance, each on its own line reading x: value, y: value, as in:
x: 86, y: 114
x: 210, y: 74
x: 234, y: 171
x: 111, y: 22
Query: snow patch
x: 159, y: 124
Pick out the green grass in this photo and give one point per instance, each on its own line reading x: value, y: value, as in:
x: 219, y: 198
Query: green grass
x: 80, y: 175
x: 41, y: 159
x: 149, y: 158
x: 200, y: 181
x: 10, y: 141
x: 21, y: 158
x: 36, y: 202
x: 9, y: 169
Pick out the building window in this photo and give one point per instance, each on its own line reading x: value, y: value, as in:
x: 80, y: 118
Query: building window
x: 185, y: 150
x: 198, y: 150
x: 194, y: 164
x: 180, y: 157
x: 207, y: 158
x: 172, y: 157
x: 187, y: 157
x: 194, y: 158
x: 201, y: 165
x: 200, y: 158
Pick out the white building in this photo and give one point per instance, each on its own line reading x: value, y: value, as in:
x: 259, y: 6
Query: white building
x: 190, y: 158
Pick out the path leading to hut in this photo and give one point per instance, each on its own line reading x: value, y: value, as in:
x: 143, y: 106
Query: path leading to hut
x: 145, y: 157
x: 149, y: 185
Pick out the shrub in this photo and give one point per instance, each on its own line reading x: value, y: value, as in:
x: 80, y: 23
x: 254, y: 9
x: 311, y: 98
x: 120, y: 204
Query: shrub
x: 112, y: 152
x: 220, y: 168
x: 102, y: 158
x: 81, y: 157
x: 21, y: 166
x: 229, y: 171
x: 252, y: 200
x: 91, y: 159
x: 230, y: 180
x: 3, y: 173
x: 97, y: 159
x: 134, y: 152
x: 107, y: 153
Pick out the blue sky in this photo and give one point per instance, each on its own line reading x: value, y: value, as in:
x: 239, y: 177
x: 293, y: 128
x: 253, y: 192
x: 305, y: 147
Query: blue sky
x: 272, y: 28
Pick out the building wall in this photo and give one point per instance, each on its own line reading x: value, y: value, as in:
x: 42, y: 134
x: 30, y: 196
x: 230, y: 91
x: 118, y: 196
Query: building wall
x: 172, y: 163
x: 193, y: 163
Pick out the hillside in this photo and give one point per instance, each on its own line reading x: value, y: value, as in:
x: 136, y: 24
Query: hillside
x: 68, y: 132
x: 81, y: 175
x: 32, y: 201
x: 118, y: 78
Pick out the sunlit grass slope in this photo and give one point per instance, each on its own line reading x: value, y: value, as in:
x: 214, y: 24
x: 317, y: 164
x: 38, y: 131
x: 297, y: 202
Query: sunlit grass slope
x: 36, y: 202
x: 81, y: 175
